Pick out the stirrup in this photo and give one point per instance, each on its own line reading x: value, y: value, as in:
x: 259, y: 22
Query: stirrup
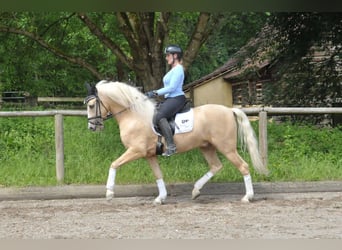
x: 170, y: 151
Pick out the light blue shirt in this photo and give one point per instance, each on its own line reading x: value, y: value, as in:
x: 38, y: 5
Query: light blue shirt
x: 173, y: 82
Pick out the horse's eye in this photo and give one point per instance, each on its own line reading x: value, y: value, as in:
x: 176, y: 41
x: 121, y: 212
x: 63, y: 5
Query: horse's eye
x: 91, y: 106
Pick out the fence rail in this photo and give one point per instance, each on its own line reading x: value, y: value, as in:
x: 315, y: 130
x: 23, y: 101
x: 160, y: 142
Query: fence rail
x: 60, y: 99
x: 43, y: 113
x: 292, y: 111
x: 262, y: 112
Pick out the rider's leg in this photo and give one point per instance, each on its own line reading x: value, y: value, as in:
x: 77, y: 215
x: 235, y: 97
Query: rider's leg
x: 167, y: 133
x: 166, y: 110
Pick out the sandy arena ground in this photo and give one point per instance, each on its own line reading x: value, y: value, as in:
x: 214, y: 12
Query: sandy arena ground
x: 274, y: 216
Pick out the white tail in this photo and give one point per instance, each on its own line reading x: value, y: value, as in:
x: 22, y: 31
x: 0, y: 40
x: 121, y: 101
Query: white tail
x: 248, y: 138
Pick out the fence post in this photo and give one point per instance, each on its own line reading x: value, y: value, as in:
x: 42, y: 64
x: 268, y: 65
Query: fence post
x: 59, y: 140
x: 263, y: 136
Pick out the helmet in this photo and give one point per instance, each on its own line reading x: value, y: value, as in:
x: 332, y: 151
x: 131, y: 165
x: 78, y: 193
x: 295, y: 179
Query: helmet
x: 174, y: 49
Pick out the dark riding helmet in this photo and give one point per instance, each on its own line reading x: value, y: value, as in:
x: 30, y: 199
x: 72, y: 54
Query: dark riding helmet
x: 174, y: 49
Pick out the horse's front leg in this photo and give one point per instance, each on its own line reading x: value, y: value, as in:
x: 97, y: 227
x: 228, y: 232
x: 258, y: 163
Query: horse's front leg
x: 110, y: 183
x: 160, y: 199
x: 126, y: 157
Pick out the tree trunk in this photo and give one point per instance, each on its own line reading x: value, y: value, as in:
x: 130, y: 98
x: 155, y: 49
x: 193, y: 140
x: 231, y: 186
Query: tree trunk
x: 206, y: 23
x: 146, y: 36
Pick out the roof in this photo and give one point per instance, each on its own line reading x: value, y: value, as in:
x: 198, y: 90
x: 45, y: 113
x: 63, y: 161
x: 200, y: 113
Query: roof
x: 253, y: 56
x: 226, y: 68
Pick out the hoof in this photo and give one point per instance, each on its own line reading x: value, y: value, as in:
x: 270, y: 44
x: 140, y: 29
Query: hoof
x: 247, y: 198
x: 195, y: 193
x: 158, y: 201
x: 109, y: 195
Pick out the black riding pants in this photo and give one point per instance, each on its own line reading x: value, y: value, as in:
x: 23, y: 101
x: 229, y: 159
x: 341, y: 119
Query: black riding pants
x: 169, y: 108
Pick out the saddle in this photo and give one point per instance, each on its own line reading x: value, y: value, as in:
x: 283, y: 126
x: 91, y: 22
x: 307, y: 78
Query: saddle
x: 172, y: 122
x: 186, y: 108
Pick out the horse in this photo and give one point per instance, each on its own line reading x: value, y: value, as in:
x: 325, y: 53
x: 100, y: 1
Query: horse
x: 216, y: 128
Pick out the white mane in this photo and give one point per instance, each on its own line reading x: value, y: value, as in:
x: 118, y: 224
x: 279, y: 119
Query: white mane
x: 128, y: 97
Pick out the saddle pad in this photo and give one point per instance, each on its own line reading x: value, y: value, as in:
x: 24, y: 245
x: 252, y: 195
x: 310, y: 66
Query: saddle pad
x: 184, y: 122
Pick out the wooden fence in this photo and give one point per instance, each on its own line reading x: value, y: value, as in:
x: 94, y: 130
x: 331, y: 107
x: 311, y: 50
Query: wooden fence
x: 262, y: 113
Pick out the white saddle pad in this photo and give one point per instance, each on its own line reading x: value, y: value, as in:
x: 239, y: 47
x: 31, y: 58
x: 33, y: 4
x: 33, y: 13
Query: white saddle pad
x: 184, y: 122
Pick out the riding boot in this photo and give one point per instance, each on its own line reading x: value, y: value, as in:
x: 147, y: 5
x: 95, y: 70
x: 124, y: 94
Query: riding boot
x: 167, y: 133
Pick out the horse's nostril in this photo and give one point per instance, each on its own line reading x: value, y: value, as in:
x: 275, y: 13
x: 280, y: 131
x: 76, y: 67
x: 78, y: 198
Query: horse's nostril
x: 90, y: 127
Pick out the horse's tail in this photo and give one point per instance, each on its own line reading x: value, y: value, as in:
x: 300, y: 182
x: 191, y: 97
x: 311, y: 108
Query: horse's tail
x: 248, y: 138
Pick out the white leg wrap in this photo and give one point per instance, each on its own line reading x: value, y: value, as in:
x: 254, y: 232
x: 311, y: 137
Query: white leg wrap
x: 161, y: 188
x: 111, y: 179
x: 162, y: 193
x: 205, y: 178
x: 248, y: 185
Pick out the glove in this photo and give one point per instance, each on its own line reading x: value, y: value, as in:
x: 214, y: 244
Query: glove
x: 151, y: 94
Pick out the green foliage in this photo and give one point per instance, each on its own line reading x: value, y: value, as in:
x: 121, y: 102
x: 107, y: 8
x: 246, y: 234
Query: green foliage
x: 235, y: 31
x: 27, y: 151
x: 27, y: 66
x: 301, y: 30
x: 296, y: 152
x: 304, y: 152
x: 26, y: 135
x: 307, y: 60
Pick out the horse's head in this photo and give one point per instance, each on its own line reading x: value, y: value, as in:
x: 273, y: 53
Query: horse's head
x: 95, y: 109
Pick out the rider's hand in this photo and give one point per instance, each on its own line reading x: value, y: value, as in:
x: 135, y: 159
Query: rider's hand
x: 151, y: 94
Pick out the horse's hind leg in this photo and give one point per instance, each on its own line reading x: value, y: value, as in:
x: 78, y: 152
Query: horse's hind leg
x: 209, y: 153
x: 234, y: 157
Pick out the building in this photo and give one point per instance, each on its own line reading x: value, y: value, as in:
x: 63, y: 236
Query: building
x: 238, y: 82
x: 246, y: 77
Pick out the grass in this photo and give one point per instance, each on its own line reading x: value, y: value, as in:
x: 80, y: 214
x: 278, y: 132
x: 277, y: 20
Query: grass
x: 27, y: 153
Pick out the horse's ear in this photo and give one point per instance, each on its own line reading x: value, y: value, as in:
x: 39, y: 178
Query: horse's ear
x: 90, y: 88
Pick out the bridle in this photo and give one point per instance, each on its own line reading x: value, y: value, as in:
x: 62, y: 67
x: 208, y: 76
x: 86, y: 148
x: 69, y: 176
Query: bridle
x: 98, y: 120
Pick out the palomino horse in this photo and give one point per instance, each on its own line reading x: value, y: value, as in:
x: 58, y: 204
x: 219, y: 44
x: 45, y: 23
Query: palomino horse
x: 215, y: 128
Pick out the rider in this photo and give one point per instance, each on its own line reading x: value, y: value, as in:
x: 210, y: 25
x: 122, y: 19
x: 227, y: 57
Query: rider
x: 173, y: 94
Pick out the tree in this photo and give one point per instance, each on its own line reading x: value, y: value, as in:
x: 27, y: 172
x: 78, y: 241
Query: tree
x: 24, y: 65
x: 299, y: 31
x: 135, y: 40
x: 147, y: 34
x: 236, y: 30
x: 301, y: 80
